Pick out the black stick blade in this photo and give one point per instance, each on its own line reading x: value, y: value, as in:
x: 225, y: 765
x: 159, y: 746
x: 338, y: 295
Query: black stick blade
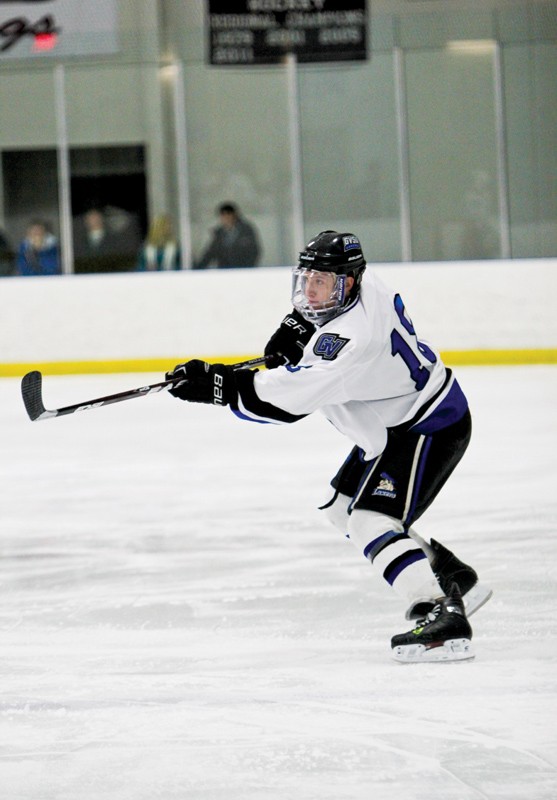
x: 31, y: 391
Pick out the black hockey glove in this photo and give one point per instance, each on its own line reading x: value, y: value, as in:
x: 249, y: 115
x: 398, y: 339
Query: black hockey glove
x: 286, y: 345
x: 203, y: 382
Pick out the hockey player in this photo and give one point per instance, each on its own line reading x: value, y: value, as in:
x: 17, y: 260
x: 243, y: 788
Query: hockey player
x: 349, y: 349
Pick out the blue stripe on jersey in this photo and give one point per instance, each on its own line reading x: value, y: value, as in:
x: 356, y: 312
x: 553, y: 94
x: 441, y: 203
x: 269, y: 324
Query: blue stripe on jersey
x: 450, y: 410
x: 239, y: 414
x: 252, y: 403
x: 290, y: 368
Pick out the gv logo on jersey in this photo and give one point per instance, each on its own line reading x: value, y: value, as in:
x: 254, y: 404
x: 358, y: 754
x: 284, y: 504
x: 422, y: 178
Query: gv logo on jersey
x: 329, y: 345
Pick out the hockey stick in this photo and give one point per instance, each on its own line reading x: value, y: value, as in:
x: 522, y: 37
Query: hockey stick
x: 31, y: 390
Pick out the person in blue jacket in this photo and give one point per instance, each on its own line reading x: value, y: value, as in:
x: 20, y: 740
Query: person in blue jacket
x: 38, y: 253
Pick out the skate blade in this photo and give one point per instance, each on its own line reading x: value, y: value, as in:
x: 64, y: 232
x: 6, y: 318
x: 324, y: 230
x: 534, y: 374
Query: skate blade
x: 476, y: 597
x: 451, y: 650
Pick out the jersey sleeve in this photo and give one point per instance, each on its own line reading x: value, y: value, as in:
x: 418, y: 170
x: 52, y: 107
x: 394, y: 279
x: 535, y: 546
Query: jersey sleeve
x: 289, y: 393
x: 249, y: 405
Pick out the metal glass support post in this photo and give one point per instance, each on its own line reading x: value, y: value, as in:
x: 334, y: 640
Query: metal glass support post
x: 295, y: 155
x: 403, y: 154
x: 63, y: 168
x: 181, y: 144
x: 502, y: 175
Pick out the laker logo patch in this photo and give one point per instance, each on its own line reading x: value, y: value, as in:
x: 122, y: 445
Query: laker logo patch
x: 386, y: 486
x: 329, y: 345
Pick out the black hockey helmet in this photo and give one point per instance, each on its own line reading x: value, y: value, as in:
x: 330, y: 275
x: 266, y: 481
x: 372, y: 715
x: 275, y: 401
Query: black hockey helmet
x: 337, y: 253
x: 330, y: 251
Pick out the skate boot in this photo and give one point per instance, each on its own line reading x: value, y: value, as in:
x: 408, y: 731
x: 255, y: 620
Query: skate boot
x: 449, y: 569
x: 444, y: 635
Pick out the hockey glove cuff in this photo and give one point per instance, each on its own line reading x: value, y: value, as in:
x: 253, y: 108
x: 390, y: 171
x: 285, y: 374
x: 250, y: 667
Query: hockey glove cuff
x: 286, y: 345
x: 203, y: 382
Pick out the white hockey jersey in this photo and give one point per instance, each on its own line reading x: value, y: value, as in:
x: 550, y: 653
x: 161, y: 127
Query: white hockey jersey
x: 365, y: 370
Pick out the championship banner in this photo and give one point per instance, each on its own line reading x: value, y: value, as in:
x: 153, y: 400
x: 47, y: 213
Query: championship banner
x: 57, y: 28
x: 244, y: 32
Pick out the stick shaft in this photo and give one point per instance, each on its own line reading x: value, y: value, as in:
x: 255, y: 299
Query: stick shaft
x: 31, y: 390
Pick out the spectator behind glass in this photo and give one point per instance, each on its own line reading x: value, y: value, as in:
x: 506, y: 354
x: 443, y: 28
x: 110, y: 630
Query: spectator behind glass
x: 7, y: 265
x: 235, y: 242
x: 105, y: 243
x: 38, y: 253
x: 160, y: 250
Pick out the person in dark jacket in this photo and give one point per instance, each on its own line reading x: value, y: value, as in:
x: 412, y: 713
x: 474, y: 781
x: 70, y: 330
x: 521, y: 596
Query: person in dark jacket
x: 105, y: 240
x: 7, y: 265
x: 235, y: 242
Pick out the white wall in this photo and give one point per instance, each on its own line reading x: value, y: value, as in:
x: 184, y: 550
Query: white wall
x: 231, y: 313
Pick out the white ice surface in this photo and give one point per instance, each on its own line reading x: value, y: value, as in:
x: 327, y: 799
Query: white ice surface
x: 179, y: 621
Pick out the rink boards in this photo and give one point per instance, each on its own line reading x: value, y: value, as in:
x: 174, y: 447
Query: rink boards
x: 486, y: 312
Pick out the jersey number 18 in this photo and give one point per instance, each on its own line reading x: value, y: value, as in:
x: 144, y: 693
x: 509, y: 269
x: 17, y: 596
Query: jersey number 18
x: 400, y: 347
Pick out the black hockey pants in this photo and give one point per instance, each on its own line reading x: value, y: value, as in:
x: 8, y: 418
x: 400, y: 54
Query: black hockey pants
x: 408, y: 475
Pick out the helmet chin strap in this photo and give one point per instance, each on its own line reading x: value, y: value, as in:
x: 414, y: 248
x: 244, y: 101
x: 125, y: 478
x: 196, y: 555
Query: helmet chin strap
x: 341, y: 284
